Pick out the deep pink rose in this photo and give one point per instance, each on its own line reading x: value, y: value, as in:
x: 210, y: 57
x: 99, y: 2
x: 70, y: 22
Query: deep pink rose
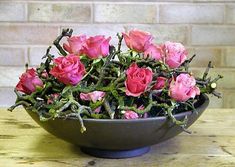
x: 137, y: 40
x: 92, y: 96
x: 29, y: 81
x: 161, y: 81
x: 183, y: 88
x: 131, y: 115
x: 68, y: 70
x: 96, y: 47
x: 75, y: 44
x: 175, y: 54
x: 138, y: 79
x: 153, y: 52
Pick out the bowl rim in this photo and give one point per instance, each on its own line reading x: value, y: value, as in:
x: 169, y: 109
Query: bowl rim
x: 204, y: 98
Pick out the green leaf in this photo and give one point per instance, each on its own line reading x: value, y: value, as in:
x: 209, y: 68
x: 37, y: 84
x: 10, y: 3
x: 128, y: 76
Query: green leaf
x: 96, y: 61
x: 66, y: 89
x: 123, y: 89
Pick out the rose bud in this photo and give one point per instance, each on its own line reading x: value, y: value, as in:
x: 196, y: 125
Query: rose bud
x: 75, y: 44
x: 175, y: 54
x: 96, y: 47
x: 183, y: 88
x: 97, y: 110
x: 52, y: 98
x: 137, y: 40
x: 153, y: 52
x: 138, y: 79
x: 92, y: 96
x: 68, y: 70
x: 29, y: 81
x: 130, y: 115
x: 161, y: 81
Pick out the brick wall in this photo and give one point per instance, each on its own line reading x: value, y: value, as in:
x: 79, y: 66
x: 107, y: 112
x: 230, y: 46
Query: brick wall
x: 207, y: 28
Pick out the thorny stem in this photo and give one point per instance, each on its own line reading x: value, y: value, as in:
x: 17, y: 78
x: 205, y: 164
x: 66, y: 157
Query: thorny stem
x: 88, y: 73
x: 65, y: 32
x: 120, y: 38
x: 207, y: 70
x: 23, y: 103
x: 217, y: 78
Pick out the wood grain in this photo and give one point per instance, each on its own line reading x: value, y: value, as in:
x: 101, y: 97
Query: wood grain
x: 212, y: 143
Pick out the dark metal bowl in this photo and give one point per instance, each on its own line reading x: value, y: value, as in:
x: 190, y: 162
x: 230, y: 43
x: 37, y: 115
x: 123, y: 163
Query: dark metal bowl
x: 119, y: 138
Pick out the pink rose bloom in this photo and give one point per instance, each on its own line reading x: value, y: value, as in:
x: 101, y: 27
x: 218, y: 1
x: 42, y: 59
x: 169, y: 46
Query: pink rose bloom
x: 153, y: 52
x: 96, y: 47
x: 75, y: 44
x: 29, y: 81
x: 68, y: 70
x: 183, y: 88
x: 92, y: 96
x: 160, y: 83
x: 137, y: 40
x: 131, y: 115
x: 175, y: 54
x: 138, y: 79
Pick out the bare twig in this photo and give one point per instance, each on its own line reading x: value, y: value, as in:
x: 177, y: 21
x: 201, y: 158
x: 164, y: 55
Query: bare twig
x: 65, y: 32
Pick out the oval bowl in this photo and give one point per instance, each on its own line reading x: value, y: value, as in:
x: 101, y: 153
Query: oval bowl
x: 119, y: 138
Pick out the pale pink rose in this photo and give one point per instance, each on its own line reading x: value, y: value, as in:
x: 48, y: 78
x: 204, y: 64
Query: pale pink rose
x: 44, y: 74
x: 75, y: 44
x: 68, y: 70
x: 29, y: 81
x: 175, y: 54
x: 183, y: 88
x: 92, y: 96
x: 137, y: 40
x: 131, y: 115
x: 161, y: 81
x: 96, y: 47
x: 153, y: 52
x: 138, y: 79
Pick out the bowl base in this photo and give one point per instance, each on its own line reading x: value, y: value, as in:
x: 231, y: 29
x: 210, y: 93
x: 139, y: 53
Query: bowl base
x: 115, y: 154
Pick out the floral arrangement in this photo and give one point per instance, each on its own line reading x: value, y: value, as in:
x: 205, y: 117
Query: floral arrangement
x: 89, y: 78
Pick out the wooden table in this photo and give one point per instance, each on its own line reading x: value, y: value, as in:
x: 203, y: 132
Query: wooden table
x: 212, y: 143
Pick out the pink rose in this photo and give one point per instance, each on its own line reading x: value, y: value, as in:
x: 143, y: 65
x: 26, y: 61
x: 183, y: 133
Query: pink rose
x: 154, y: 52
x: 29, y: 81
x: 137, y: 40
x: 161, y: 81
x: 175, y: 54
x: 137, y: 80
x: 183, y: 88
x: 75, y: 44
x: 92, y: 96
x: 131, y: 115
x: 96, y: 47
x: 68, y: 70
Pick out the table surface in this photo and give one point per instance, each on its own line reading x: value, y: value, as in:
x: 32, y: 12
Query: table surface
x: 212, y: 143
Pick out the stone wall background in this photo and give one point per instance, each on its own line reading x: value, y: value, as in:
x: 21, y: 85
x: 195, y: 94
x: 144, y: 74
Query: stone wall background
x: 207, y: 28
